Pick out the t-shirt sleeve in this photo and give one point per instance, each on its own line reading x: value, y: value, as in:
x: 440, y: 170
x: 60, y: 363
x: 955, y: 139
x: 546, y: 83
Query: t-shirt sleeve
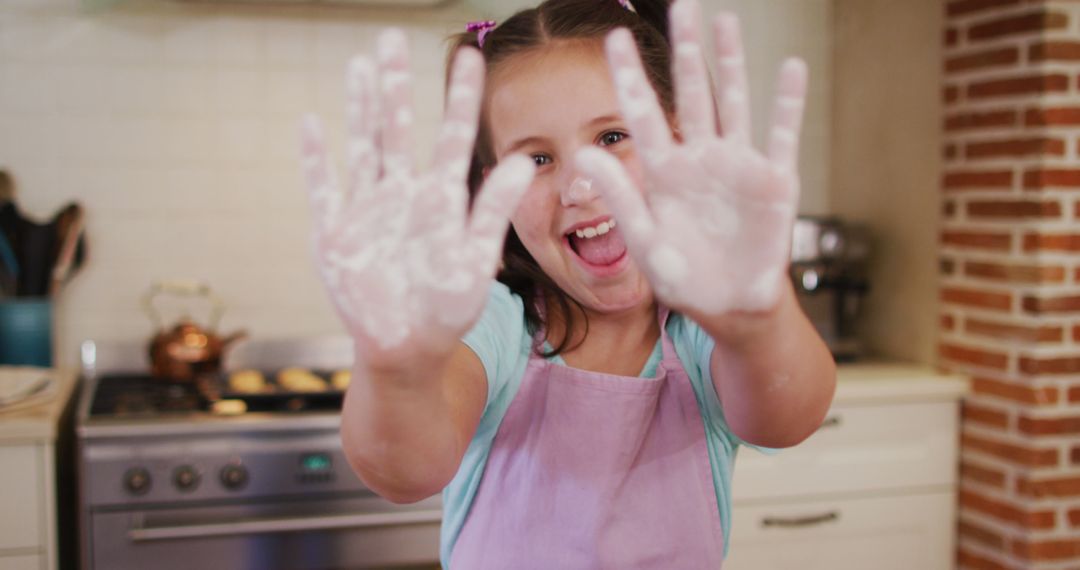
x: 700, y: 356
x: 497, y: 339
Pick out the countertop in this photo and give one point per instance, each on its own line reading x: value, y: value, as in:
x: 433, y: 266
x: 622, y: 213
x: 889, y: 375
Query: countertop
x: 890, y: 382
x: 36, y: 418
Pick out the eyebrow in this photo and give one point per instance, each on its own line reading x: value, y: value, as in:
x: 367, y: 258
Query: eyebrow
x: 609, y: 118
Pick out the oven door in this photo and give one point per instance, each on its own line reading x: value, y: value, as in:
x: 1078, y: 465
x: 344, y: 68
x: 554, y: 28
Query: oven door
x: 328, y: 533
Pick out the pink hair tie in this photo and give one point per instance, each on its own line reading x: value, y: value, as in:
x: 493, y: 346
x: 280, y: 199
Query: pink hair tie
x: 482, y: 27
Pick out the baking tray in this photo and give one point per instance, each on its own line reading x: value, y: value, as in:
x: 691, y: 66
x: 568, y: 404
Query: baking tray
x: 276, y: 398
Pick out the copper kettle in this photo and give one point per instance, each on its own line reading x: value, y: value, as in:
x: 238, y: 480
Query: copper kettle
x: 186, y: 350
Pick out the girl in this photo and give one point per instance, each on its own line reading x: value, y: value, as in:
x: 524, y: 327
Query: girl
x: 583, y: 411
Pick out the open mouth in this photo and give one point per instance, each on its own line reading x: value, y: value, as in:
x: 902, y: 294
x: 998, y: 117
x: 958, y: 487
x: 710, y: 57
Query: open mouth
x: 597, y: 246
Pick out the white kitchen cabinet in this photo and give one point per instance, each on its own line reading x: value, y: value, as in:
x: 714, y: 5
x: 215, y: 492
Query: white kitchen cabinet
x: 875, y: 487
x: 28, y: 524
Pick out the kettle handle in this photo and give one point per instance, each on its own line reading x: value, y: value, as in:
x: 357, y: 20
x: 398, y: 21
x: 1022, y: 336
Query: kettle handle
x: 184, y: 288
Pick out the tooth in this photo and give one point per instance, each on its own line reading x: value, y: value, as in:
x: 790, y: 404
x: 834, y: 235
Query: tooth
x: 590, y: 232
x: 611, y: 223
x: 602, y: 229
x: 580, y: 234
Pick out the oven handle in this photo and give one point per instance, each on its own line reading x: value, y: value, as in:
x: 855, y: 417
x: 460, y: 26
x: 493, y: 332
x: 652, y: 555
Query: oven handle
x: 282, y: 525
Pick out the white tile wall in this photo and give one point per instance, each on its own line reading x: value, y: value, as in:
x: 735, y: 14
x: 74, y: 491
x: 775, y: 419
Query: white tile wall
x: 176, y: 126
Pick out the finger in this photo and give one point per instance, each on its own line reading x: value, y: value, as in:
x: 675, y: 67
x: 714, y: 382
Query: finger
x: 731, y: 71
x: 453, y: 151
x: 454, y: 148
x: 362, y: 123
x: 322, y: 190
x: 692, y: 90
x: 395, y: 84
x: 621, y: 194
x: 493, y: 207
x: 640, y: 108
x: 788, y: 115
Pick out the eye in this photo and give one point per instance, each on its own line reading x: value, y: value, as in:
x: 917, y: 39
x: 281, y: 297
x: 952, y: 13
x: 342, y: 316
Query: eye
x: 541, y: 159
x: 612, y: 137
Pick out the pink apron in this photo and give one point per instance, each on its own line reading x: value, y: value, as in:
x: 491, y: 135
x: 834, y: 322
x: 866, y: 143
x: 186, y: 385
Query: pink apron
x: 593, y: 470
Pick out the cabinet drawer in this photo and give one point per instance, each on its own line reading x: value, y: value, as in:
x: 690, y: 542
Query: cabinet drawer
x: 884, y: 533
x: 858, y: 448
x: 20, y: 496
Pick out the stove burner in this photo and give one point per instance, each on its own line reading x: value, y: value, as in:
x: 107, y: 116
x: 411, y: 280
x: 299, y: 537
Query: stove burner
x: 140, y: 395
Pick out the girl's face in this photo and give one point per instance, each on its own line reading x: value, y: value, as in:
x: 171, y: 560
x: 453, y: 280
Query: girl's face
x: 549, y: 104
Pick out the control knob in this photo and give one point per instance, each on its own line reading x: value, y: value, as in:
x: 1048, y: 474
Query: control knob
x: 186, y: 478
x: 234, y: 476
x: 137, y: 480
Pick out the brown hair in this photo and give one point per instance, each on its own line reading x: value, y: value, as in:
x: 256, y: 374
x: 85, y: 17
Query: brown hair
x: 537, y: 28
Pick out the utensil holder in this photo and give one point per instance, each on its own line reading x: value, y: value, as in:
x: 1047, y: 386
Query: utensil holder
x: 26, y: 332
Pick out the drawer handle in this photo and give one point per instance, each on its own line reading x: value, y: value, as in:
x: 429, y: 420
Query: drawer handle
x: 830, y: 422
x: 796, y: 522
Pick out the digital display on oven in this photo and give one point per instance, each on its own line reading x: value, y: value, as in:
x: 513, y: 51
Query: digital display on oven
x: 315, y: 462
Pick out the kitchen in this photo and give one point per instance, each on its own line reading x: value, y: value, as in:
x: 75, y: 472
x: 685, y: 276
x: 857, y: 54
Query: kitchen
x: 175, y: 124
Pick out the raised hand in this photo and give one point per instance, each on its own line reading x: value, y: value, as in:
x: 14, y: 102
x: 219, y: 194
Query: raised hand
x: 404, y: 264
x: 712, y: 229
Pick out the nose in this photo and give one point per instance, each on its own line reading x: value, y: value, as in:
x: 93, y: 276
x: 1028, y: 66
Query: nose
x: 579, y: 191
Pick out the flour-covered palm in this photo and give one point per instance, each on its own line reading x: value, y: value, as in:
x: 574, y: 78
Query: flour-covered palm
x: 713, y: 229
x: 404, y: 264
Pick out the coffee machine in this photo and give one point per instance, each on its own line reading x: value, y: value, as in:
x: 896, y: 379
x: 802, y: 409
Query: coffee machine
x: 828, y: 268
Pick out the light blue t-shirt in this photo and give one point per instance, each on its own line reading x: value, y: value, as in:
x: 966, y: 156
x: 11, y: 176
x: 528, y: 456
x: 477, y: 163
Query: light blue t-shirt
x: 502, y: 341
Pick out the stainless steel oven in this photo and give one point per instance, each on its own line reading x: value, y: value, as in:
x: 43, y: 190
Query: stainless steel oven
x: 166, y: 483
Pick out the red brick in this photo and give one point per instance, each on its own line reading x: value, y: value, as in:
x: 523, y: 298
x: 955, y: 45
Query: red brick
x: 967, y: 560
x: 1063, y: 116
x: 1026, y: 85
x: 1074, y: 394
x: 1015, y: 148
x: 1060, y: 365
x: 951, y: 94
x: 1012, y: 453
x: 1046, y: 550
x: 1054, y: 51
x: 1064, y: 487
x: 977, y: 240
x: 1013, y: 209
x: 951, y: 36
x: 975, y: 298
x: 949, y: 152
x: 980, y: 120
x: 1051, y: 242
x: 974, y: 356
x: 1074, y: 517
x: 984, y: 475
x: 1015, y: 273
x: 1074, y: 455
x: 981, y: 535
x: 983, y: 59
x: 961, y: 180
x: 947, y: 266
x: 1014, y: 392
x: 1015, y: 332
x: 1050, y: 426
x: 1051, y: 177
x: 1076, y: 330
x: 985, y: 416
x: 949, y: 209
x: 948, y: 322
x: 1006, y: 512
x: 1044, y: 305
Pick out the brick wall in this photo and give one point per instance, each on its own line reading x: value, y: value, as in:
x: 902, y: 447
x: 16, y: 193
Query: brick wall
x: 1010, y: 267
